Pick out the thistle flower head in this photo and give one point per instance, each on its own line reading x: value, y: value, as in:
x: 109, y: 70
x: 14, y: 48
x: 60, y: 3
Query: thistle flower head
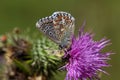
x: 45, y: 59
x: 85, y: 57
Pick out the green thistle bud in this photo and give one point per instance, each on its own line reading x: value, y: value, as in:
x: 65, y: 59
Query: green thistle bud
x: 45, y: 59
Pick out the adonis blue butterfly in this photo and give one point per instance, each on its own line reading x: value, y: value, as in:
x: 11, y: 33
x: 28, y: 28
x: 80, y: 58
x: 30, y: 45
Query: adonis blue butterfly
x: 59, y: 27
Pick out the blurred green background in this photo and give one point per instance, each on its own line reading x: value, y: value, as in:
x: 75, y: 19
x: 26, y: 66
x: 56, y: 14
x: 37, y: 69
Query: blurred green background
x: 102, y: 17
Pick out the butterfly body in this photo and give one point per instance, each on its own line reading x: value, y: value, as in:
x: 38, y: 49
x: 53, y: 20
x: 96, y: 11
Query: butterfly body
x: 59, y: 27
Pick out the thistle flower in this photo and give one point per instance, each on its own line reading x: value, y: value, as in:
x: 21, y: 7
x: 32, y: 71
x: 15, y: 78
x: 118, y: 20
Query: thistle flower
x: 85, y: 58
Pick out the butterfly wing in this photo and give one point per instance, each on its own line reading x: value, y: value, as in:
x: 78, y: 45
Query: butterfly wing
x: 64, y: 23
x: 59, y: 27
x: 46, y: 26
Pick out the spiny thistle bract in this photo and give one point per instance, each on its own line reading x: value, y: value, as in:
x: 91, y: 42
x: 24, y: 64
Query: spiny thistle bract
x: 27, y: 58
x: 45, y: 58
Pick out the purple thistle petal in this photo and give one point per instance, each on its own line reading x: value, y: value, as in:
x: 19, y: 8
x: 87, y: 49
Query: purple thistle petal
x: 86, y: 58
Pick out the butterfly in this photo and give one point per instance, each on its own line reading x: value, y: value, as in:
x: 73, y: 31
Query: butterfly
x: 59, y: 27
